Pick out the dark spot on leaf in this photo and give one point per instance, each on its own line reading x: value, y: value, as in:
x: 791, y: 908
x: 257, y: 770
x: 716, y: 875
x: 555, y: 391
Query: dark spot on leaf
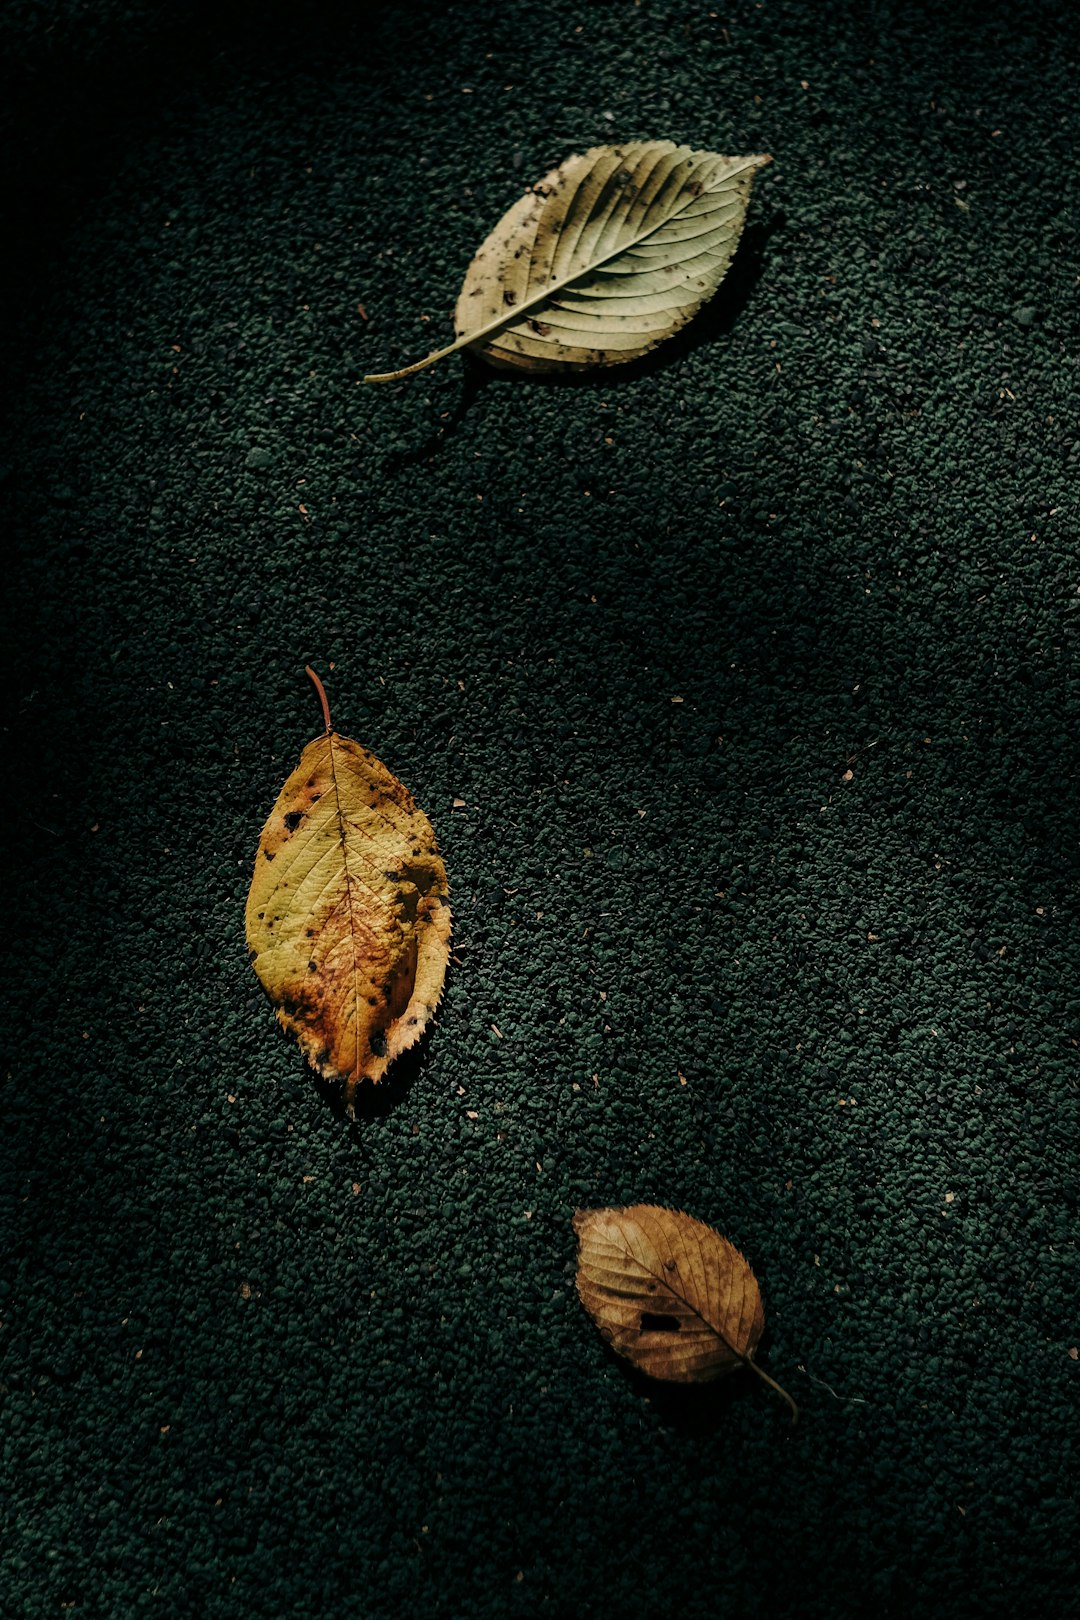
x: 293, y: 819
x: 323, y: 1058
x: 415, y: 872
x: 654, y: 1322
x: 267, y: 855
x: 509, y: 297
x: 252, y: 954
x: 408, y: 900
x: 311, y: 967
x: 378, y: 1044
x: 540, y: 327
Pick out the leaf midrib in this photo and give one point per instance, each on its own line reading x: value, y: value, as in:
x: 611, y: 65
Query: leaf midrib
x: 349, y: 894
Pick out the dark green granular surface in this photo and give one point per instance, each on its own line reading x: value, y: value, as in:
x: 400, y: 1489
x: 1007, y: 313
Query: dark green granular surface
x: 755, y: 668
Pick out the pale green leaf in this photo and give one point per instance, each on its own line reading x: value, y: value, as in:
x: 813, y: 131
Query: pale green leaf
x: 605, y: 257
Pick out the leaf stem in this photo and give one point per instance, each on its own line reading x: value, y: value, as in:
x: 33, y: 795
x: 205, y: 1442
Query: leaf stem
x: 420, y: 365
x: 779, y: 1388
x: 320, y: 688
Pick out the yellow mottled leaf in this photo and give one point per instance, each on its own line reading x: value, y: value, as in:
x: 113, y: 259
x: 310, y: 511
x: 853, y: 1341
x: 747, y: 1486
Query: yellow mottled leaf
x: 601, y: 260
x: 670, y: 1294
x: 348, y: 916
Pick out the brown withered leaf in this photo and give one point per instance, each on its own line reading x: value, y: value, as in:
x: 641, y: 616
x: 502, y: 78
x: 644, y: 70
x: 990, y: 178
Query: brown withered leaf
x: 348, y: 916
x: 670, y: 1294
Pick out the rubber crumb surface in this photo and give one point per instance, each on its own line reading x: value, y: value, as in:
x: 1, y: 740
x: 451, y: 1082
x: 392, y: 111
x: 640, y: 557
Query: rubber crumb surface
x: 741, y: 688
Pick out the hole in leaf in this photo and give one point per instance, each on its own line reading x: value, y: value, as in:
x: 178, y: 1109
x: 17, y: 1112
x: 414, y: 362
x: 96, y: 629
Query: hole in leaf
x: 653, y: 1322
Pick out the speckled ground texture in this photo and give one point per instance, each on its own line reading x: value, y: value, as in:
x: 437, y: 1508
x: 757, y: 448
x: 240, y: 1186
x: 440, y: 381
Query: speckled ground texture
x: 755, y: 668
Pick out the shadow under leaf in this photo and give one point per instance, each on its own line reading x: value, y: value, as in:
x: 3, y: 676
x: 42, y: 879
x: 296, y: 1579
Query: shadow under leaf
x: 695, y: 1408
x: 376, y: 1101
x: 716, y: 319
x: 476, y: 378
